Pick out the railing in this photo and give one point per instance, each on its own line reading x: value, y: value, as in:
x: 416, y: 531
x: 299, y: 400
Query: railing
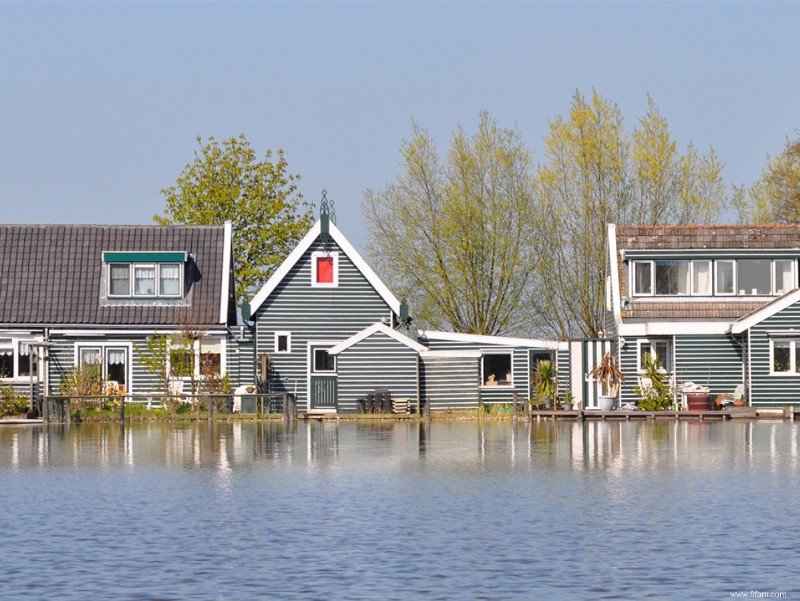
x: 257, y: 404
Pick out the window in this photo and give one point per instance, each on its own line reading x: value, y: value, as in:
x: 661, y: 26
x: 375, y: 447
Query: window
x: 642, y: 277
x: 108, y: 363
x: 169, y: 282
x: 202, y: 358
x: 496, y: 369
x: 724, y: 284
x: 17, y: 359
x: 784, y: 276
x: 785, y: 356
x: 672, y: 277
x: 323, y: 361
x: 325, y: 269
x: 140, y: 280
x: 659, y: 348
x: 210, y: 357
x: 283, y: 342
x: 701, y: 278
x: 119, y: 280
x: 754, y: 276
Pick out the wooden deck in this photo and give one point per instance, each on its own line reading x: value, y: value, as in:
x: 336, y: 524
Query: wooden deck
x: 621, y: 415
x: 20, y: 421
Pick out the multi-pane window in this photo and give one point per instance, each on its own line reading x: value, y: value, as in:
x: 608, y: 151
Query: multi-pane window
x: 144, y: 280
x: 109, y: 364
x: 721, y: 277
x: 658, y: 348
x: 202, y: 359
x: 785, y: 356
x: 17, y: 359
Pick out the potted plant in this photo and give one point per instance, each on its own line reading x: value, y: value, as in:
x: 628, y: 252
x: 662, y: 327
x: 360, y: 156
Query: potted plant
x: 546, y: 382
x: 657, y: 395
x: 567, y: 400
x: 607, y: 372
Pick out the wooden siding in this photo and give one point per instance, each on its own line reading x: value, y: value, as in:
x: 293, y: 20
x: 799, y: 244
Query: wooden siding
x: 766, y: 389
x: 709, y: 360
x: 377, y: 361
x: 450, y: 382
x: 520, y: 366
x: 240, y: 357
x: 314, y: 314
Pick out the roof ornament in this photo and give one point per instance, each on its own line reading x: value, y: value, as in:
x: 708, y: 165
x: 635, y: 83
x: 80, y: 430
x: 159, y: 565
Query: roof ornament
x: 327, y: 214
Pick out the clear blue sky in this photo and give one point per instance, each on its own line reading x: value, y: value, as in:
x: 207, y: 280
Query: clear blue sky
x: 101, y: 102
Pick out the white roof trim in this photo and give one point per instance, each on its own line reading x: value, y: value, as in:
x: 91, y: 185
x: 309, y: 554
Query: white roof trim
x: 348, y: 250
x: 226, y: 272
x: 383, y: 329
x: 674, y: 328
x: 779, y: 304
x: 499, y: 340
x: 451, y: 355
x: 616, y: 302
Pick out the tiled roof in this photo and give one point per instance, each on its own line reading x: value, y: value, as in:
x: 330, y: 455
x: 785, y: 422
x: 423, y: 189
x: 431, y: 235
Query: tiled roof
x: 715, y: 237
x: 711, y: 237
x: 645, y: 309
x: 51, y: 274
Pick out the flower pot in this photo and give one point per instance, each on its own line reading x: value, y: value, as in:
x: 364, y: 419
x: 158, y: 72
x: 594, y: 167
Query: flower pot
x: 698, y: 401
x: 567, y: 406
x: 606, y: 403
x: 548, y: 402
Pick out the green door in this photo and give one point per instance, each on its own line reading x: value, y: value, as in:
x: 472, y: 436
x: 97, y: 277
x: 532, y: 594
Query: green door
x: 323, y: 387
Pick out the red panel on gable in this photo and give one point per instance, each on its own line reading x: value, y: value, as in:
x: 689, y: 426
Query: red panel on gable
x: 324, y: 270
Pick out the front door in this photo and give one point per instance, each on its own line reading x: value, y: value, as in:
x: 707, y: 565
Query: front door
x: 322, y: 384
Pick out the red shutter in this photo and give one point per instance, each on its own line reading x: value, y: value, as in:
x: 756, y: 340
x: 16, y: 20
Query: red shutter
x: 324, y: 270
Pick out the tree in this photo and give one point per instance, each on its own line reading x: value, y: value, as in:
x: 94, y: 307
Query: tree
x: 227, y: 181
x: 596, y: 174
x: 453, y: 236
x: 775, y: 197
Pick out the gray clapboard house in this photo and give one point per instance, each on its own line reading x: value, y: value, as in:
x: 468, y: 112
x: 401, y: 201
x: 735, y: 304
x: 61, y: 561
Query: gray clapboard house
x: 72, y: 295
x: 323, y: 294
x: 462, y: 369
x: 718, y: 305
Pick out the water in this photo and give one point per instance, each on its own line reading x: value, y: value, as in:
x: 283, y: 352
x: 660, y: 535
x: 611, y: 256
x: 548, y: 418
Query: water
x: 399, y: 511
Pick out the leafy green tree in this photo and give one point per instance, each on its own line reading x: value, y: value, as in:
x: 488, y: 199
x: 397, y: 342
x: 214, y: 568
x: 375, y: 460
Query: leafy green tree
x: 775, y: 197
x: 453, y: 235
x: 595, y: 174
x: 227, y: 181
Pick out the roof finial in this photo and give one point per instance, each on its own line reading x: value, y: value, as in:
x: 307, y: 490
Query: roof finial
x: 327, y: 214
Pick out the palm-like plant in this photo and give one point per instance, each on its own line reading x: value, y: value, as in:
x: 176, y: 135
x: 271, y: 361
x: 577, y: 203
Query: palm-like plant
x: 609, y: 374
x: 546, y: 379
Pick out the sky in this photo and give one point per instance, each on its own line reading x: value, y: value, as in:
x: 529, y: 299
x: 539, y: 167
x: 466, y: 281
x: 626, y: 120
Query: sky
x: 101, y: 103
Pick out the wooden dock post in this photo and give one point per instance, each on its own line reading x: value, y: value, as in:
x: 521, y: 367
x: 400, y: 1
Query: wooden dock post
x: 427, y: 410
x: 527, y: 410
x: 122, y: 409
x: 514, y: 407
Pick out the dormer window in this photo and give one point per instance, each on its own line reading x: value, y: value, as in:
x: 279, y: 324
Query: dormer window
x: 141, y: 275
x: 730, y: 277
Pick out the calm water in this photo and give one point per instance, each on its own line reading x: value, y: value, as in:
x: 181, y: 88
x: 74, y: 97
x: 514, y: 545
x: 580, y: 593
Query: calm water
x: 400, y: 511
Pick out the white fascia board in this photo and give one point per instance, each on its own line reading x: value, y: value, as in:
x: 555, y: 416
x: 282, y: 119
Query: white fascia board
x: 227, y: 266
x: 383, y: 329
x: 451, y: 354
x: 348, y: 250
x: 145, y: 330
x: 613, y: 264
x: 674, y: 328
x: 779, y: 304
x: 499, y: 340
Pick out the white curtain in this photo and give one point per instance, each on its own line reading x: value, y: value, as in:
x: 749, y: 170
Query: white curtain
x: 144, y: 280
x: 115, y: 356
x: 170, y: 279
x: 702, y: 277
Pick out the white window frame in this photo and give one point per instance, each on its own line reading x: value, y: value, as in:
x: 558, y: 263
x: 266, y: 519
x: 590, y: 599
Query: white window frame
x: 650, y: 343
x: 792, y: 357
x: 288, y: 343
x: 326, y: 372
x: 634, y: 281
x: 793, y: 284
x: 735, y: 277
x: 319, y: 254
x: 131, y: 280
x: 510, y: 355
x: 688, y: 270
x: 710, y: 263
x: 223, y: 363
x: 102, y: 347
x: 15, y: 354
